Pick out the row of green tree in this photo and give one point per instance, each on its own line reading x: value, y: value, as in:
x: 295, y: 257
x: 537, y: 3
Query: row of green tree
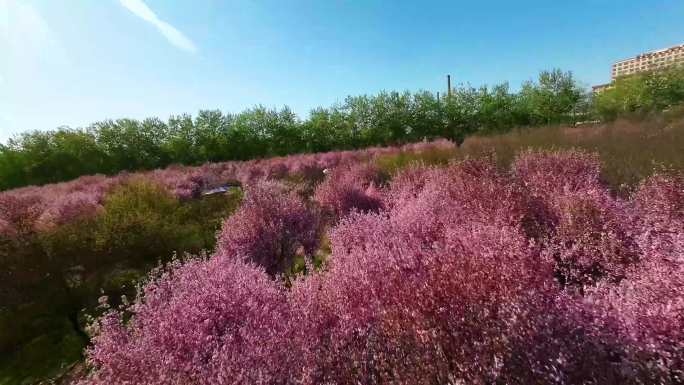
x: 641, y: 93
x: 111, y: 146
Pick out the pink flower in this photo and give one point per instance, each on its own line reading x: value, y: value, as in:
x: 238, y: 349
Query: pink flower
x: 348, y: 188
x: 204, y: 322
x: 269, y: 228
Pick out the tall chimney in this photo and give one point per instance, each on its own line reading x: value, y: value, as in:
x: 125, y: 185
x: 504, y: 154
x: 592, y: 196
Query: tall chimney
x: 449, y: 85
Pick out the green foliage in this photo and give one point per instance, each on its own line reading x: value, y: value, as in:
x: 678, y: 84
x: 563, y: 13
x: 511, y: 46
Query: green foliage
x: 70, y: 244
x: 386, y: 118
x: 56, y: 273
x: 391, y: 164
x: 553, y: 99
x: 144, y: 222
x: 44, y: 157
x: 45, y: 356
x: 111, y: 146
x: 327, y: 129
x: 641, y: 93
x: 130, y: 144
x: 142, y: 218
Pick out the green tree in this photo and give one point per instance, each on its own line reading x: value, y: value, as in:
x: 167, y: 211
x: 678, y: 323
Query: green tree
x: 497, y: 111
x: 461, y: 111
x: 553, y: 98
x: 427, y: 117
x: 130, y: 144
x: 39, y: 157
x: 211, y: 129
x: 327, y: 129
x: 641, y: 93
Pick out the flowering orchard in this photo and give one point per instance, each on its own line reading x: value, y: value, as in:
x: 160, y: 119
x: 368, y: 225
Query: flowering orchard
x: 463, y: 274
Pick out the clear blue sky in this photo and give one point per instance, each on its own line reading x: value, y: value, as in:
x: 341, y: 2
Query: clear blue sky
x: 75, y: 62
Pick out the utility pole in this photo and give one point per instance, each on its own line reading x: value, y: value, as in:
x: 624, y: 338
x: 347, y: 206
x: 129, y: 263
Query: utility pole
x: 449, y: 86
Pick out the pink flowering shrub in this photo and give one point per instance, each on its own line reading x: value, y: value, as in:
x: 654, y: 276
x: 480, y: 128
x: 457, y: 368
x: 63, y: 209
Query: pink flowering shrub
x: 550, y: 173
x: 6, y: 229
x: 67, y: 232
x: 649, y: 303
x: 435, y: 145
x: 350, y: 188
x: 409, y: 289
x: 68, y: 209
x: 20, y: 210
x: 648, y: 306
x: 186, y: 183
x: 271, y: 227
x: 464, y: 193
x: 202, y: 322
x: 565, y: 340
x: 463, y: 274
x: 407, y: 185
x: 394, y: 311
x: 470, y: 303
x: 592, y: 239
x: 659, y: 211
x: 306, y: 168
x: 585, y: 232
x: 459, y: 274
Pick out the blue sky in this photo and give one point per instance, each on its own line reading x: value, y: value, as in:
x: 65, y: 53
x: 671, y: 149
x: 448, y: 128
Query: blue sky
x: 75, y: 62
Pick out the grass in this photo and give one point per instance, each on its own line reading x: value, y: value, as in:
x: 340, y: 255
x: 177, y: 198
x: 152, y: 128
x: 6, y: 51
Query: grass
x: 630, y: 149
x: 45, y: 356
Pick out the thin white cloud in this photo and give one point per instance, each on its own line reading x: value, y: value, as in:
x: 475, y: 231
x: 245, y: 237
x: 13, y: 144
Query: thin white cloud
x: 171, y: 34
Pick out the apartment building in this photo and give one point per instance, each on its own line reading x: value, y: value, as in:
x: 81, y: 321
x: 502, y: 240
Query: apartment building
x: 601, y: 87
x: 649, y: 61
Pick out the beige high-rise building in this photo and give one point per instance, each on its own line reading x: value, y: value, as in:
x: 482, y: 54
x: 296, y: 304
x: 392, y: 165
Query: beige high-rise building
x: 648, y: 61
